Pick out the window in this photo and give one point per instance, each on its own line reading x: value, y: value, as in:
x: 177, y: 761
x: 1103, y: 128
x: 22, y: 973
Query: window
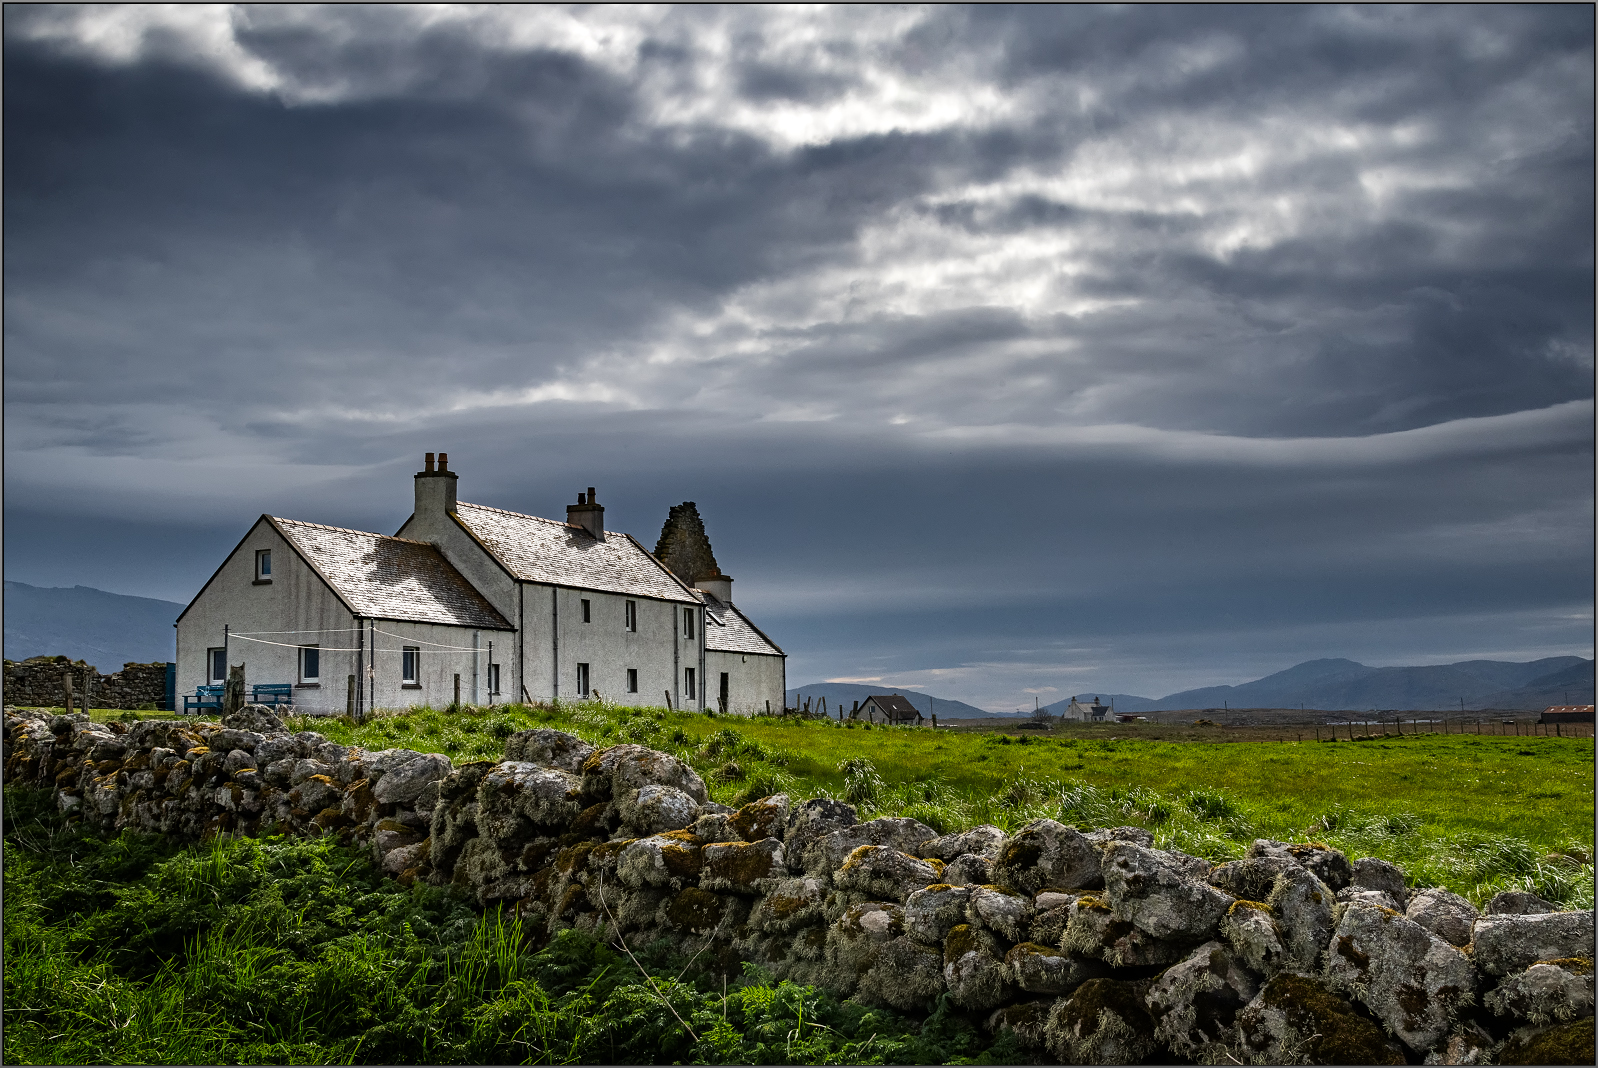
x: 631, y: 615
x: 724, y: 691
x: 409, y: 657
x: 582, y: 679
x: 263, y: 566
x: 688, y: 683
x: 310, y: 664
x: 588, y: 610
x: 218, y: 661
x: 493, y: 678
x: 687, y: 622
x: 632, y: 678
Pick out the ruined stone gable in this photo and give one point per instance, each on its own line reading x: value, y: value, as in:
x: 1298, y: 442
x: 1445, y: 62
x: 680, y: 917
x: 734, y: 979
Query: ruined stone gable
x: 683, y: 546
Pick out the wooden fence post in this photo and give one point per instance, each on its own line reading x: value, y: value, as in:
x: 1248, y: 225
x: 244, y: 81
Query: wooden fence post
x: 456, y: 706
x: 66, y: 686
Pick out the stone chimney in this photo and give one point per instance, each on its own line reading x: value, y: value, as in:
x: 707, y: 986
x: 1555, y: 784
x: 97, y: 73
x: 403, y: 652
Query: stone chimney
x: 717, y: 585
x: 684, y: 548
x: 435, y: 486
x: 588, y: 513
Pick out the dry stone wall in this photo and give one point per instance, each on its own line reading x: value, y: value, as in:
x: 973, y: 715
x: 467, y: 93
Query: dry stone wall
x: 1094, y: 947
x: 37, y: 682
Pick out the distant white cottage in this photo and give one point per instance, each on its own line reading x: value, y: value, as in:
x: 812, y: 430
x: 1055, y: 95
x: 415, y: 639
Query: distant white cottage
x: 1086, y: 713
x: 513, y: 606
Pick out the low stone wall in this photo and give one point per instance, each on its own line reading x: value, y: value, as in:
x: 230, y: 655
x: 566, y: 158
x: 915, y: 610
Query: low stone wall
x: 37, y: 682
x: 1093, y: 947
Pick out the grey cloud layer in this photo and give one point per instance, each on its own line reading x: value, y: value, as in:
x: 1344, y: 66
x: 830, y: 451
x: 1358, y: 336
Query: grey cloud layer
x: 255, y: 256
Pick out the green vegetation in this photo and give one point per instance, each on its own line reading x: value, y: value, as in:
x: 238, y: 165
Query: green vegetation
x: 1474, y: 814
x: 130, y: 950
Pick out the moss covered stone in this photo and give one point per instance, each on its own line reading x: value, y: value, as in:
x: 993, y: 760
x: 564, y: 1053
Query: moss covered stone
x: 694, y: 909
x: 1570, y: 1043
x: 1299, y: 1020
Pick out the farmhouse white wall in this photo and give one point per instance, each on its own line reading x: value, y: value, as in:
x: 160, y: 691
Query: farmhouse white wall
x: 752, y: 681
x: 296, y: 600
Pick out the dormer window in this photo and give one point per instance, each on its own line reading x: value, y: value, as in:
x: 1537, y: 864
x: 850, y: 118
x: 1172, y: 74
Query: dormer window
x: 263, y: 566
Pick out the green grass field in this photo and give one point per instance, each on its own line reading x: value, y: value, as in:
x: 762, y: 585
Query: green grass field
x: 135, y: 949
x: 1474, y: 814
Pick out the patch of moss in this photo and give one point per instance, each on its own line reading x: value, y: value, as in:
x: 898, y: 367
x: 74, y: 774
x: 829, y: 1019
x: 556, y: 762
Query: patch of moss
x: 961, y: 939
x: 1570, y: 1043
x: 681, y: 863
x: 1084, y: 1011
x: 1022, y: 851
x: 695, y: 909
x: 1088, y: 901
x: 1575, y: 965
x: 574, y: 858
x: 741, y: 864
x: 1336, y: 1033
x: 1241, y: 903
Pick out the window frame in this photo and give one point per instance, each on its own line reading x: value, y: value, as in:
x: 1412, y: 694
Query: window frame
x: 584, y: 681
x: 689, y: 688
x: 263, y: 575
x: 313, y: 678
x: 411, y: 665
x: 493, y: 680
x: 630, y: 617
x: 211, y: 657
x: 632, y: 680
x: 688, y: 623
x: 588, y: 610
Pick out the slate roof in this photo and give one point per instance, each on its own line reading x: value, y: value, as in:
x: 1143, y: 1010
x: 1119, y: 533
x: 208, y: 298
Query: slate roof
x: 728, y: 630
x: 391, y: 578
x: 542, y: 550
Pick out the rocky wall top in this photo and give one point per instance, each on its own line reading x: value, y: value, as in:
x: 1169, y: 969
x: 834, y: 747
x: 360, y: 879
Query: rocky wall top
x: 1093, y: 945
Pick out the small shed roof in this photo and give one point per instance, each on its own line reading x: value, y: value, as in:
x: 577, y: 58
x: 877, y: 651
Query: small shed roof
x: 563, y: 554
x: 390, y: 578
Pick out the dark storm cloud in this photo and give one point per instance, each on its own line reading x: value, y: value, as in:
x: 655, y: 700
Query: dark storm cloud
x: 1078, y: 303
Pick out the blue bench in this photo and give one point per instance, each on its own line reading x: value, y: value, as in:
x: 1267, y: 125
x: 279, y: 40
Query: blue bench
x: 202, y: 698
x: 272, y: 693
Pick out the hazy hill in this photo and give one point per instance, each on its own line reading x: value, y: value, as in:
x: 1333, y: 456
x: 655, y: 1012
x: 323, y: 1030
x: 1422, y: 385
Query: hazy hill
x: 846, y: 694
x: 1345, y: 684
x: 1569, y: 686
x: 105, y: 629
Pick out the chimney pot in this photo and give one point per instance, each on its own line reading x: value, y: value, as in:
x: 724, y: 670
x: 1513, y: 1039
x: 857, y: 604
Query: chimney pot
x: 443, y: 461
x: 593, y: 498
x: 588, y: 514
x: 429, y: 466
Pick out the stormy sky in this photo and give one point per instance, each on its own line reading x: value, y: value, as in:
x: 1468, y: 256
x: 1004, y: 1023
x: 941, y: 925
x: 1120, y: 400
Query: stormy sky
x: 1007, y: 352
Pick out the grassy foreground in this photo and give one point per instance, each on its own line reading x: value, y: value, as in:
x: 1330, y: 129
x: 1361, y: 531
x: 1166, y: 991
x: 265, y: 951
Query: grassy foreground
x: 291, y: 951
x: 134, y: 950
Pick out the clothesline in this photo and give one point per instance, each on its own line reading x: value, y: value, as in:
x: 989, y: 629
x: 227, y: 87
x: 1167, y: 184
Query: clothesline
x: 354, y: 649
x: 303, y: 630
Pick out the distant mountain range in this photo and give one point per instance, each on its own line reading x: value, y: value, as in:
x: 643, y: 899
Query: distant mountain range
x: 105, y: 629
x: 110, y: 629
x: 846, y: 694
x: 1347, y: 685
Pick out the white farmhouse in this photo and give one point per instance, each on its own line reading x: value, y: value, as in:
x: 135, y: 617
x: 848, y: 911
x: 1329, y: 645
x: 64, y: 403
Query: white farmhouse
x: 507, y: 607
